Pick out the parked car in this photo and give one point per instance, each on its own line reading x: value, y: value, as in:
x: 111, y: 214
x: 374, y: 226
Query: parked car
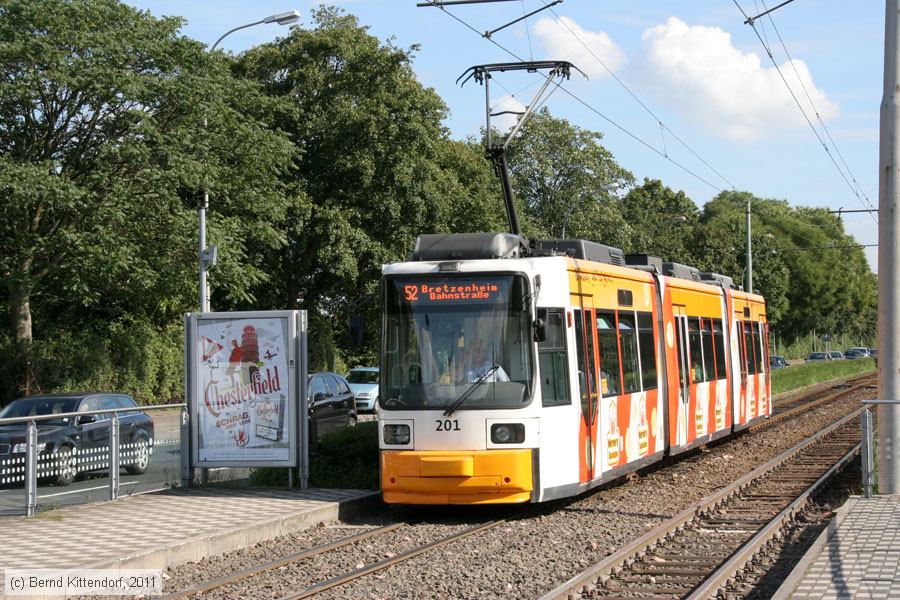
x: 364, y: 383
x: 776, y: 361
x: 873, y: 352
x: 836, y: 355
x: 862, y: 350
x: 854, y: 353
x: 818, y: 356
x: 80, y: 443
x: 331, y: 404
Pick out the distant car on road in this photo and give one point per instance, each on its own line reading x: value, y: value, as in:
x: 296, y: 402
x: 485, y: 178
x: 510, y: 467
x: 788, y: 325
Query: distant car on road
x: 854, y: 353
x: 776, y: 361
x: 364, y: 383
x: 818, y: 356
x: 862, y: 350
x: 81, y: 444
x: 331, y: 403
x: 836, y: 355
x: 873, y: 352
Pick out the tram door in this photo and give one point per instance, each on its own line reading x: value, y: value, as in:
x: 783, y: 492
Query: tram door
x: 684, y: 373
x: 585, y: 344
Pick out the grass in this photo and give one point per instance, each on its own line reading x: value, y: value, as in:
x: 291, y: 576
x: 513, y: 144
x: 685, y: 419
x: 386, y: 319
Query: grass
x: 347, y: 458
x: 797, y: 376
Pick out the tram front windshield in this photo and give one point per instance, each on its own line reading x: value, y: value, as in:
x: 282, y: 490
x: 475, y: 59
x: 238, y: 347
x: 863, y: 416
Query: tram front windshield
x: 448, y: 337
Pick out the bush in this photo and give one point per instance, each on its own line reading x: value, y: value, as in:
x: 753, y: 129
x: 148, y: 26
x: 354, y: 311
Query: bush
x: 346, y: 459
x: 125, y: 356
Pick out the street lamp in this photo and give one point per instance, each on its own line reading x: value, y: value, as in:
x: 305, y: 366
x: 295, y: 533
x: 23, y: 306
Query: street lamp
x: 606, y: 188
x: 208, y: 255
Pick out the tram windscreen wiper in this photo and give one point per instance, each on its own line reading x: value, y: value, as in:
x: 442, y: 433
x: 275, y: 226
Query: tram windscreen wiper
x: 465, y: 395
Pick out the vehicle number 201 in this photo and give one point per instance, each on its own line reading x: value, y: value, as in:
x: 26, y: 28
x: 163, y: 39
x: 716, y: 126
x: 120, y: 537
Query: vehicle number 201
x: 446, y: 425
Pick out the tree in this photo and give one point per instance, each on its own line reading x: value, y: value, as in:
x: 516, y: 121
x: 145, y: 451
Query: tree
x: 375, y: 167
x: 559, y: 173
x: 813, y: 276
x: 663, y: 222
x: 103, y: 159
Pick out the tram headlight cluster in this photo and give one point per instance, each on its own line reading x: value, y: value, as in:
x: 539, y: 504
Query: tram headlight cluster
x: 396, y: 434
x: 507, y: 433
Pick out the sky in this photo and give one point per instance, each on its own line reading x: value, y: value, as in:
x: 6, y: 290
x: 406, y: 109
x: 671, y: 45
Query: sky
x: 658, y: 73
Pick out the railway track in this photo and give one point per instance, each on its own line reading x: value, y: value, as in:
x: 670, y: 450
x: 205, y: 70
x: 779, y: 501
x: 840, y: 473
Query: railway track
x: 264, y: 568
x: 220, y: 586
x: 695, y: 554
x: 806, y: 403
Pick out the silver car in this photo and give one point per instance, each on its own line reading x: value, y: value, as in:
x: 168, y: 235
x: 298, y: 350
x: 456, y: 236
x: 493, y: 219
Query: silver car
x: 364, y: 383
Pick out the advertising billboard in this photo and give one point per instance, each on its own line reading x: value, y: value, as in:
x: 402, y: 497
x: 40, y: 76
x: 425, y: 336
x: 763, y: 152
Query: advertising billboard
x: 244, y: 388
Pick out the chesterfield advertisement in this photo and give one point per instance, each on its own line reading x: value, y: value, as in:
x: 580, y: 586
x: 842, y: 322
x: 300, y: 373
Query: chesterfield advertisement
x: 244, y: 389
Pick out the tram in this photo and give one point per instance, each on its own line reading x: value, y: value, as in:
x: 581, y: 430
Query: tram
x: 518, y: 370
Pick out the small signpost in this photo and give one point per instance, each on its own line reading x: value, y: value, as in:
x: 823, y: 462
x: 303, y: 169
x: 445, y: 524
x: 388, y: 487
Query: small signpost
x: 246, y: 390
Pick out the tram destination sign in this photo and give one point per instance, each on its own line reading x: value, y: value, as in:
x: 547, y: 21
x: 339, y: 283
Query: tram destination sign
x: 456, y: 290
x: 244, y: 388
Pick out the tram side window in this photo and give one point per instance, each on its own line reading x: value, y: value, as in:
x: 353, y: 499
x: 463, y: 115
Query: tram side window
x: 719, y: 341
x: 757, y: 346
x: 709, y: 363
x: 738, y: 331
x: 748, y: 348
x: 682, y: 363
x: 610, y: 384
x: 554, y: 374
x: 696, y: 351
x: 631, y: 365
x: 582, y: 367
x: 648, y: 350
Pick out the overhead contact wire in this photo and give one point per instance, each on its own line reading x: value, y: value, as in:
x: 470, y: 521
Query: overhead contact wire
x: 609, y: 120
x: 802, y: 111
x: 639, y: 101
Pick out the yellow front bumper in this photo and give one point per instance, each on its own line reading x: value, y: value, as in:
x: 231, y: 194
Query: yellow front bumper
x: 470, y: 477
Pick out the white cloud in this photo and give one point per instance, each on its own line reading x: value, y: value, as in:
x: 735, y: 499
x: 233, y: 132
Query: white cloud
x: 506, y: 122
x: 556, y: 36
x: 698, y: 71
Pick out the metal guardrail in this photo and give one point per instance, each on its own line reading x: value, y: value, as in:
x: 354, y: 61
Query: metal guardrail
x: 867, y: 450
x: 54, y: 465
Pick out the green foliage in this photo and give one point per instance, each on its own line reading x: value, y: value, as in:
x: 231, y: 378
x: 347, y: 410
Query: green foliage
x: 797, y: 376
x: 125, y: 356
x: 375, y: 168
x: 347, y: 458
x: 559, y: 171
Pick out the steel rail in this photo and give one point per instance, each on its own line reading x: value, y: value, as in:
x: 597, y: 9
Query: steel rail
x: 237, y: 576
x: 802, y: 407
x: 403, y: 556
x: 678, y: 522
x: 720, y: 578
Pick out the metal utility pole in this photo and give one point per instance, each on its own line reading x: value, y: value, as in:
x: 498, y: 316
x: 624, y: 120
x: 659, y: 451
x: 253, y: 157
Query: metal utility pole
x: 208, y: 255
x: 749, y: 252
x: 889, y: 261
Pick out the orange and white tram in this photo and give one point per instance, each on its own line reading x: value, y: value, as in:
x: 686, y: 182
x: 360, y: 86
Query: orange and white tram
x: 522, y: 372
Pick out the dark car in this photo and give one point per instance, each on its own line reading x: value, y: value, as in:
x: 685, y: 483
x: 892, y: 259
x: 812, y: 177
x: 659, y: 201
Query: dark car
x: 836, y: 355
x: 331, y: 403
x: 818, y: 356
x: 854, y: 354
x: 79, y: 444
x: 776, y: 361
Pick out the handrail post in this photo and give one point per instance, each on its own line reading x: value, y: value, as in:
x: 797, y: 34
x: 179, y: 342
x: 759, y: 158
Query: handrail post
x: 114, y: 457
x: 186, y: 475
x: 866, y: 451
x: 30, y: 468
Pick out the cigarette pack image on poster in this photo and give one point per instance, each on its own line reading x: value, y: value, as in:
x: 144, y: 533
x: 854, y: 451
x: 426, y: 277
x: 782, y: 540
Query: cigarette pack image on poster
x: 243, y: 386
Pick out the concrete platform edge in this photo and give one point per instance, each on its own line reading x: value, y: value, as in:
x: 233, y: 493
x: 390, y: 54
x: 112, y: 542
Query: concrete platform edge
x: 796, y: 576
x: 245, y: 536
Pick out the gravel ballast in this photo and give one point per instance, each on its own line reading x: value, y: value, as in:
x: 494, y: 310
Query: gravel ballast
x: 522, y: 558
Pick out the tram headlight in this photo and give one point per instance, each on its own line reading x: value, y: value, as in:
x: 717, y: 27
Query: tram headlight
x: 507, y: 433
x: 396, y: 434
